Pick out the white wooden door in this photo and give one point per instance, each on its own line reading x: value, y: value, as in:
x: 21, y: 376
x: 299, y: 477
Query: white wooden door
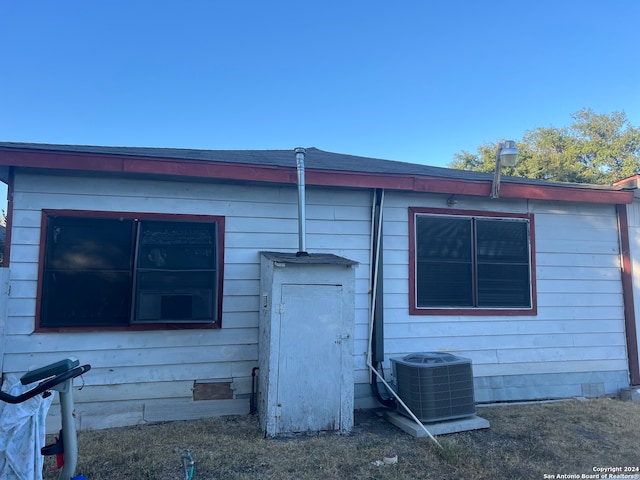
x: 310, y: 358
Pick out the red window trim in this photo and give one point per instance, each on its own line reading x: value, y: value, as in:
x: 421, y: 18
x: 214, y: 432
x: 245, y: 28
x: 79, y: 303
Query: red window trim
x: 46, y: 213
x: 415, y: 310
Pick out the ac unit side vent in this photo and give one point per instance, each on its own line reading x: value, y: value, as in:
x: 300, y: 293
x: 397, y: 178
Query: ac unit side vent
x: 435, y: 386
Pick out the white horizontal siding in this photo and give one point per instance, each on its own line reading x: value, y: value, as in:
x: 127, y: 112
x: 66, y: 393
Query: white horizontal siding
x: 143, y: 358
x: 558, y: 285
x: 465, y: 327
x: 4, y: 293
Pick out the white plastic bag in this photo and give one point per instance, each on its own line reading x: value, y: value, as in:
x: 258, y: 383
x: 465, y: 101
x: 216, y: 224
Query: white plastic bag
x: 22, y: 435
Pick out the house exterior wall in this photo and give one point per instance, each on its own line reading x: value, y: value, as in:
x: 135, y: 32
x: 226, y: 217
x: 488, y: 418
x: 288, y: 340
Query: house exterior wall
x: 575, y: 345
x: 149, y: 375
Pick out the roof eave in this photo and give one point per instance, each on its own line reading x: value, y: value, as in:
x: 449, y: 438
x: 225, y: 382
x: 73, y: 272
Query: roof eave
x: 158, y: 166
x: 511, y: 189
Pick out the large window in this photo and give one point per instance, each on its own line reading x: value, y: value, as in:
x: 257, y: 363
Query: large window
x: 121, y: 270
x: 480, y: 263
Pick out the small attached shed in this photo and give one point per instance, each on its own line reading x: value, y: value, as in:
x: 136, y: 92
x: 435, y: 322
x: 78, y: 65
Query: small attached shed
x: 147, y: 263
x: 306, y: 343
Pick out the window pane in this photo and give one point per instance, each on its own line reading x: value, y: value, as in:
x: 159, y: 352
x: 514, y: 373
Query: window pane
x: 502, y: 241
x: 503, y: 263
x: 503, y: 286
x: 177, y: 245
x: 75, y: 243
x: 444, y: 272
x: 176, y: 278
x: 176, y: 296
x: 87, y: 272
x: 81, y: 299
x: 444, y: 284
x: 443, y: 238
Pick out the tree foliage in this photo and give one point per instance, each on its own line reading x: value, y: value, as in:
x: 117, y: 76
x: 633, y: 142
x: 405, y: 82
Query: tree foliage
x: 595, y: 148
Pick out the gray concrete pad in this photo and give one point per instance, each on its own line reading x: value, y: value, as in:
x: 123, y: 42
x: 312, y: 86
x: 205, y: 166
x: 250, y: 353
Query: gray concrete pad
x: 440, y: 428
x: 630, y: 394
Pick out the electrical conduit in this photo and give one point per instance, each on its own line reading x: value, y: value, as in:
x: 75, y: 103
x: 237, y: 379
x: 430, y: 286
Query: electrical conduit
x: 374, y: 258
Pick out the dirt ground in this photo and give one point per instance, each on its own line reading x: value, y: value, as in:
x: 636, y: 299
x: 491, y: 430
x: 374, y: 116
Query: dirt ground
x: 569, y: 439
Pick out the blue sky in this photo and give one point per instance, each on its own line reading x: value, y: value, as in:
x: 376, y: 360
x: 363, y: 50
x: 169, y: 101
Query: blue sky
x: 412, y: 80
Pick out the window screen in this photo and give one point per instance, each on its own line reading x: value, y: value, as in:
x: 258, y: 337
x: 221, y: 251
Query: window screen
x: 472, y: 262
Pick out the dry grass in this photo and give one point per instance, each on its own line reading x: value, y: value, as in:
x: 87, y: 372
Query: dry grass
x: 525, y: 441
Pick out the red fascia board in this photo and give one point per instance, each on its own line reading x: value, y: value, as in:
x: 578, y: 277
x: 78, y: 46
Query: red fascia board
x: 568, y: 194
x: 630, y: 182
x: 278, y: 174
x: 340, y: 178
x: 231, y: 171
x: 60, y: 160
x: 466, y: 187
x: 146, y: 165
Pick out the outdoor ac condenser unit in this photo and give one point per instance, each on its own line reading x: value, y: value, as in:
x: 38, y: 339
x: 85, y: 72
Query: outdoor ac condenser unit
x: 435, y: 386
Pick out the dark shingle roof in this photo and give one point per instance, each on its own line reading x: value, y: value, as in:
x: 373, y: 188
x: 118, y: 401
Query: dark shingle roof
x: 314, y: 159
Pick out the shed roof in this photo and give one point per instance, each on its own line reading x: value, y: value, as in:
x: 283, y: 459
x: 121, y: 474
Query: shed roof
x: 322, y: 167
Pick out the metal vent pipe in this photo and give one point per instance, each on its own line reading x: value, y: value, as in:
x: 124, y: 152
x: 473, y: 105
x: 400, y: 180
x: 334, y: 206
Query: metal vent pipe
x: 302, y: 215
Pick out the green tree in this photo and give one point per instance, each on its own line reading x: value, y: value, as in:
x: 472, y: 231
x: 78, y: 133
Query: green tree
x: 595, y: 148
